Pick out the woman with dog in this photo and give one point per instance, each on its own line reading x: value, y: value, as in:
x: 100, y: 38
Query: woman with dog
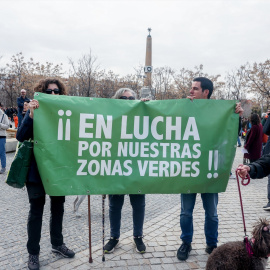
x: 35, y: 189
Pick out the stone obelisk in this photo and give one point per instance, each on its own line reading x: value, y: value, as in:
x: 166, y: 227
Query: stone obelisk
x: 147, y: 91
x: 148, y: 61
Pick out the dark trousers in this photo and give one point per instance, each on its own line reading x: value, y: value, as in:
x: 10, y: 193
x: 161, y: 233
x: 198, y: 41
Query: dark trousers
x: 37, y: 198
x: 138, y: 206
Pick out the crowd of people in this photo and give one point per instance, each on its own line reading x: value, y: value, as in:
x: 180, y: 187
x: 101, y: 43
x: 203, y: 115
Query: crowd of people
x: 251, y: 132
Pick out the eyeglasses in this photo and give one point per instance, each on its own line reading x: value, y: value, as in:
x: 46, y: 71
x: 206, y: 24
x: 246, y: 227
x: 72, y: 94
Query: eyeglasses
x: 49, y: 91
x: 130, y: 98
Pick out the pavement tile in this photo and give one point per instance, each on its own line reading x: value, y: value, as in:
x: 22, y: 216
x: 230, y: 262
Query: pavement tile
x: 193, y: 265
x: 132, y: 262
x: 160, y: 248
x: 126, y: 257
x: 169, y: 266
x: 169, y: 254
x: 158, y: 254
x: 152, y: 244
x: 156, y: 267
x: 155, y: 261
x: 167, y: 260
x: 147, y: 255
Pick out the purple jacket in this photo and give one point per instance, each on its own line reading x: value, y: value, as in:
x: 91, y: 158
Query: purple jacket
x: 254, y: 142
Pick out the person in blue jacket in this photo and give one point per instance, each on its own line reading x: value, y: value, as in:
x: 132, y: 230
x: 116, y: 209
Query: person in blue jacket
x: 35, y: 189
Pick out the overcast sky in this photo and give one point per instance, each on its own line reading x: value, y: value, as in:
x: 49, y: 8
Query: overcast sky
x: 221, y: 35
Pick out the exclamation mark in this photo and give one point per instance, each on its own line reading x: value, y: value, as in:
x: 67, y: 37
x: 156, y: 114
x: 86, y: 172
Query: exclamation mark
x: 67, y: 134
x: 210, y: 161
x: 60, y: 125
x: 209, y: 175
x: 216, y: 164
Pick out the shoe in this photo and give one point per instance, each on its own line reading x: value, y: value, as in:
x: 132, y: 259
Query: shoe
x: 2, y: 170
x: 267, y: 207
x: 183, y: 251
x: 209, y: 249
x: 63, y: 250
x: 232, y: 176
x: 140, y: 246
x: 110, y: 246
x: 239, y: 145
x: 33, y: 262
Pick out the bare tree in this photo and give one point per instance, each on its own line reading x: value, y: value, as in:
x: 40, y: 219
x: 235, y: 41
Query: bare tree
x: 259, y: 80
x: 184, y: 77
x: 236, y: 83
x: 19, y: 74
x: 84, y: 76
x: 162, y: 81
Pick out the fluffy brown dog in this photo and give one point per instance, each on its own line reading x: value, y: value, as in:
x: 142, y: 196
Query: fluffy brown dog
x: 234, y: 255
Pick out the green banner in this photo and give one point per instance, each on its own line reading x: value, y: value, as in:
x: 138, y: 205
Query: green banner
x: 108, y: 146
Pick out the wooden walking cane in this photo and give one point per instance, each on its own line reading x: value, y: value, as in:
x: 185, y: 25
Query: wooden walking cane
x: 103, y: 226
x: 89, y: 225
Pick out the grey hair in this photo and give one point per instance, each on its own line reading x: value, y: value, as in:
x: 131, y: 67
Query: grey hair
x: 121, y: 91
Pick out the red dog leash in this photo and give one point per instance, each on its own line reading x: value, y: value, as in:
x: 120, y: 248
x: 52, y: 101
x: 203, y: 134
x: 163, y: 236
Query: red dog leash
x: 244, y: 183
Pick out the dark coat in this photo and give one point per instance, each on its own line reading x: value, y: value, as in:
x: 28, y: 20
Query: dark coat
x: 20, y: 102
x: 254, y: 142
x: 260, y: 168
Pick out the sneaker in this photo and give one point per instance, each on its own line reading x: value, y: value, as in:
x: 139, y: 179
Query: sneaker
x: 110, y: 246
x: 33, y: 262
x: 140, y: 246
x: 183, y: 251
x: 63, y: 250
x: 2, y: 170
x: 209, y: 249
x: 232, y: 176
x: 267, y: 207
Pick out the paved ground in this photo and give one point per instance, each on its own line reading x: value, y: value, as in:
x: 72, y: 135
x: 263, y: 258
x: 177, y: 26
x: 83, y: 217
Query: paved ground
x: 161, y: 229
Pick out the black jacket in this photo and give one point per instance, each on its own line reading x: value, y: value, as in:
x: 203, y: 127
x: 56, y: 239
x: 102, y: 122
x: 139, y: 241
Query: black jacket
x: 20, y: 102
x: 260, y: 168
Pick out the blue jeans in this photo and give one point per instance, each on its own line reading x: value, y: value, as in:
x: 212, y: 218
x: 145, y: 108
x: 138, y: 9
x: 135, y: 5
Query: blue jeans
x: 138, y: 206
x: 239, y: 141
x: 20, y: 118
x: 210, y: 202
x: 3, y: 152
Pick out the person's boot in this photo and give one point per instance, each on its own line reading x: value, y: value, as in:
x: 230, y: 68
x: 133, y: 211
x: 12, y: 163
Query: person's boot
x: 209, y: 249
x: 183, y: 251
x: 267, y: 207
x: 63, y: 250
x: 33, y: 262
